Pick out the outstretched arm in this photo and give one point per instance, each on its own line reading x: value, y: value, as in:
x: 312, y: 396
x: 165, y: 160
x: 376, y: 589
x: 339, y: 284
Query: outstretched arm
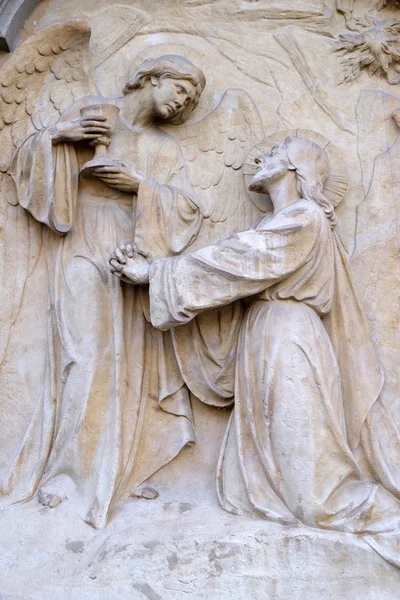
x: 241, y: 266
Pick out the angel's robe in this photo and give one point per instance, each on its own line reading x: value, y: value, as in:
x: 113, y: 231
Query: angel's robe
x: 118, y: 409
x: 302, y: 395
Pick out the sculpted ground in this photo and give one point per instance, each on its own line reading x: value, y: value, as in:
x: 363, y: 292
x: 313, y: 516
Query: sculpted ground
x: 199, y: 280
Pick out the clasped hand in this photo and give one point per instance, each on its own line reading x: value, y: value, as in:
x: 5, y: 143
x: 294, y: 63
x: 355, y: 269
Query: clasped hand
x: 131, y: 264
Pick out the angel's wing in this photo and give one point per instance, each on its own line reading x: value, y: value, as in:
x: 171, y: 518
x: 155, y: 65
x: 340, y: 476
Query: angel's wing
x: 43, y: 76
x: 215, y: 150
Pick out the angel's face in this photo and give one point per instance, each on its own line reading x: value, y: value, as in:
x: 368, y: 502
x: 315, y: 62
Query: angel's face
x: 271, y: 167
x: 171, y: 96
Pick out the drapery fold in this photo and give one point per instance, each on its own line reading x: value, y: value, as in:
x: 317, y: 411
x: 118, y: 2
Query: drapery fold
x: 303, y: 398
x: 116, y: 408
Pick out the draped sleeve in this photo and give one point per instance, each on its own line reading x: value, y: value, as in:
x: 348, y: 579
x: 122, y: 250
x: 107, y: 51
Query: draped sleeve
x: 241, y: 266
x: 47, y: 175
x: 46, y: 179
x: 168, y: 216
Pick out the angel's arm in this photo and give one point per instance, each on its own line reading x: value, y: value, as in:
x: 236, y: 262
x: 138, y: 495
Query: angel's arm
x: 45, y: 169
x: 46, y: 178
x: 168, y: 214
x: 239, y: 267
x: 72, y: 127
x: 44, y: 76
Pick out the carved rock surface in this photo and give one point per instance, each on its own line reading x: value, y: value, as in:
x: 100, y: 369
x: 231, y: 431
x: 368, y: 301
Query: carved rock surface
x: 177, y: 549
x: 113, y: 483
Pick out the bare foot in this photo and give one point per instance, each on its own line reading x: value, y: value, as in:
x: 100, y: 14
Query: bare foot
x: 51, y: 495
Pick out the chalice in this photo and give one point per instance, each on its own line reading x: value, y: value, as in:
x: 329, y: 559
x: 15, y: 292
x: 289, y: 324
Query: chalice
x: 100, y: 159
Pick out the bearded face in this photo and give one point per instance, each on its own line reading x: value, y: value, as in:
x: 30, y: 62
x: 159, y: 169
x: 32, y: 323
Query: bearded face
x: 272, y: 167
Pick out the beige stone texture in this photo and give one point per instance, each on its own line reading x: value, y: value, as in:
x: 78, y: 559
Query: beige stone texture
x: 199, y: 300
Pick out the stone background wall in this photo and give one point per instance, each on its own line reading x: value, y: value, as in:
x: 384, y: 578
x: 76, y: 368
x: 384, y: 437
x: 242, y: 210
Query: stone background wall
x: 281, y: 53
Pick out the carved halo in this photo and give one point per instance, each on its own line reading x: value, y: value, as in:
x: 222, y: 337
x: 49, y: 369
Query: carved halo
x: 198, y: 59
x: 336, y: 186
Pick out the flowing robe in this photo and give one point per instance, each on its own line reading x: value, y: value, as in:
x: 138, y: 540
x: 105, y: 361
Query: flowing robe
x: 302, y: 396
x: 118, y: 409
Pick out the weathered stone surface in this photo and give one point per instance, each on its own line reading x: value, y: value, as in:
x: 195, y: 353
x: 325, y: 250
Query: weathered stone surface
x: 117, y: 395
x: 12, y: 18
x: 176, y: 548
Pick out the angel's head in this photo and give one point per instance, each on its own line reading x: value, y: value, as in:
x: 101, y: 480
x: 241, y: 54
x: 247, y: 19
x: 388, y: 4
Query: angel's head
x: 175, y: 85
x: 300, y: 158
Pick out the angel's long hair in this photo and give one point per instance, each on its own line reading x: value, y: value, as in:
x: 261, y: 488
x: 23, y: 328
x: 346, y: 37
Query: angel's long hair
x: 311, y: 164
x: 174, y: 67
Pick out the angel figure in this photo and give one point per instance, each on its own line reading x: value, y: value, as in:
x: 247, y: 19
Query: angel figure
x: 307, y: 374
x: 110, y: 406
x: 100, y: 388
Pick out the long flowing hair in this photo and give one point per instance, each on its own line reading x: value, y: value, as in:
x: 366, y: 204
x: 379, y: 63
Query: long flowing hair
x: 311, y: 164
x: 174, y: 67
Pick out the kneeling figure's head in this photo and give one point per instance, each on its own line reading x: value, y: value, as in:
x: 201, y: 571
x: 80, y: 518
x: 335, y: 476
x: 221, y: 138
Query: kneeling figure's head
x: 309, y: 162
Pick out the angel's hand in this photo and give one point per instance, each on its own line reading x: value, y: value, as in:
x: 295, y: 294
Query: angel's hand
x: 135, y: 269
x: 88, y: 128
x: 121, y: 176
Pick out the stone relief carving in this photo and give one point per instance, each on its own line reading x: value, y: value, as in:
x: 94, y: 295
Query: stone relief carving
x: 229, y: 288
x: 12, y: 15
x: 376, y: 47
x: 375, y: 254
x: 346, y: 8
x: 87, y: 441
x: 320, y: 95
x: 298, y: 384
x: 92, y: 437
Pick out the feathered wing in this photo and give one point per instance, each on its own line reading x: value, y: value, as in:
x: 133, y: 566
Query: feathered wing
x: 43, y: 76
x: 215, y: 150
